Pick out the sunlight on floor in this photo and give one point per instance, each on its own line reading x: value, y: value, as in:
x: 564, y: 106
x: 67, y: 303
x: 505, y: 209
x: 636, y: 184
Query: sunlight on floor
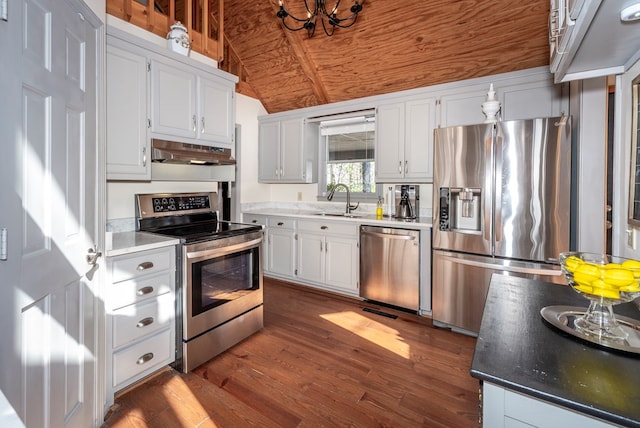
x: 372, y: 331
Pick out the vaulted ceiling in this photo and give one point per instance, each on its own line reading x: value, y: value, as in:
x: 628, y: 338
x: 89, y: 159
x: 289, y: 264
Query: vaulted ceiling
x: 394, y: 45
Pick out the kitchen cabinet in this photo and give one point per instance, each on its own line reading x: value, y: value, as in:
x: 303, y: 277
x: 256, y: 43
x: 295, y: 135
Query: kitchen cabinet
x: 281, y: 247
x: 328, y: 255
x: 140, y: 309
x: 404, y: 141
x: 190, y: 106
x: 524, y: 98
x: 262, y: 221
x: 128, y: 146
x: 504, y: 408
x: 288, y: 151
x: 587, y: 39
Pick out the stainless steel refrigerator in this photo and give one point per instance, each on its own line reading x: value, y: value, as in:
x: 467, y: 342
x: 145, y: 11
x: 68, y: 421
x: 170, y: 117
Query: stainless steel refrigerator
x: 501, y: 205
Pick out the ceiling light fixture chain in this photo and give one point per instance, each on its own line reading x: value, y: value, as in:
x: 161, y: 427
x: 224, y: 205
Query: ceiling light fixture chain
x: 319, y: 11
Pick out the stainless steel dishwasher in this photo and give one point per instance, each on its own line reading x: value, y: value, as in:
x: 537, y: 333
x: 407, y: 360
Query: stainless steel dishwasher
x: 390, y: 266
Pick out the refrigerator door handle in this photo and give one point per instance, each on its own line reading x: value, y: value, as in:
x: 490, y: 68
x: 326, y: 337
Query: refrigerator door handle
x: 487, y: 229
x: 515, y: 269
x: 498, y: 188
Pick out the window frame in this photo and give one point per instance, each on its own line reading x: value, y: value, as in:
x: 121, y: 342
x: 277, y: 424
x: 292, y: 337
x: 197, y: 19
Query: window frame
x: 341, y: 195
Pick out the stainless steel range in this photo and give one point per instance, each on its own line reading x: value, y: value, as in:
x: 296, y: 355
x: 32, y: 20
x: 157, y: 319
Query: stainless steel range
x: 219, y: 298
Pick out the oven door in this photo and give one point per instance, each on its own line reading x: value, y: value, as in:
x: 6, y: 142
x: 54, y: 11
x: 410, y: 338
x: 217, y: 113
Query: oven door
x: 223, y: 279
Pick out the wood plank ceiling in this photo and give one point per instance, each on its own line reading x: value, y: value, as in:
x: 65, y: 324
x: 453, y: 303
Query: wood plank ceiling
x: 395, y: 45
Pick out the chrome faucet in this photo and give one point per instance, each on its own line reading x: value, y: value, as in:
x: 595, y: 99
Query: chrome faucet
x: 349, y: 206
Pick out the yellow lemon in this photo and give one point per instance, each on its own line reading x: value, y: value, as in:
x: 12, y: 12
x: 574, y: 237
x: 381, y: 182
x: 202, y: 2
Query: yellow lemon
x: 586, y: 273
x: 606, y: 293
x: 571, y: 263
x: 633, y: 266
x: 633, y: 288
x: 584, y: 288
x: 616, y: 277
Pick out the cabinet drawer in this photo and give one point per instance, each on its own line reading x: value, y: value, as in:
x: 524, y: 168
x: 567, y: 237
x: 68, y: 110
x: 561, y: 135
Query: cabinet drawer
x: 135, y: 321
x: 151, y: 353
x: 281, y: 223
x: 254, y: 219
x: 138, y: 264
x: 328, y: 227
x: 136, y: 290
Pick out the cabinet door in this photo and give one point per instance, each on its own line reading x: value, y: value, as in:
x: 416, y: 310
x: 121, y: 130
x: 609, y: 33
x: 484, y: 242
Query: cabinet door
x: 292, y: 164
x: 418, y: 146
x: 342, y: 263
x: 269, y: 152
x: 390, y: 142
x: 463, y: 108
x: 173, y: 100
x: 128, y: 156
x: 311, y: 251
x: 531, y: 100
x: 281, y: 254
x: 216, y: 114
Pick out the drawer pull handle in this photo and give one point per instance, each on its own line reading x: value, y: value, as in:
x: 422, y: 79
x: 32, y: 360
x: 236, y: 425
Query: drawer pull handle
x: 280, y: 223
x: 145, y: 266
x: 254, y: 221
x: 324, y: 227
x: 144, y: 290
x: 144, y: 322
x: 145, y: 358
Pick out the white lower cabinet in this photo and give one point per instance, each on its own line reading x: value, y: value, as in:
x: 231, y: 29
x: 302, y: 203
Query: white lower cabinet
x: 281, y: 247
x: 328, y: 255
x: 504, y: 408
x: 140, y: 309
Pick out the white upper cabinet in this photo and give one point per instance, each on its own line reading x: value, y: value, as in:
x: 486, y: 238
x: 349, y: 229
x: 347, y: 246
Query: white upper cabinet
x: 404, y: 141
x: 288, y: 151
x: 188, y: 105
x: 587, y: 38
x: 128, y: 155
x: 216, y: 107
x: 173, y: 100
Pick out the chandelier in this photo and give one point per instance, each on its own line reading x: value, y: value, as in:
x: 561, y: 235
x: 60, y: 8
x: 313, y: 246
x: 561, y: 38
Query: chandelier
x: 319, y: 11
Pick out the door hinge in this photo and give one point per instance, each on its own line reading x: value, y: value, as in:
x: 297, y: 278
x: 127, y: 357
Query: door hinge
x: 4, y: 13
x: 3, y: 243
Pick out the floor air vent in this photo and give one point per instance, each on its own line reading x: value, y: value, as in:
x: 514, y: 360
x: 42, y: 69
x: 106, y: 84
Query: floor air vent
x: 377, y: 312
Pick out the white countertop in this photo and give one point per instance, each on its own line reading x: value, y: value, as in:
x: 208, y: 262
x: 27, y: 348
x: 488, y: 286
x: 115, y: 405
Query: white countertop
x: 360, y: 218
x: 8, y: 416
x: 128, y: 242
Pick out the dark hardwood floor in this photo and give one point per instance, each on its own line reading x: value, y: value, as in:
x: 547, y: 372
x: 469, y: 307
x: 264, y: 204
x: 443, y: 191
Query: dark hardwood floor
x: 321, y: 360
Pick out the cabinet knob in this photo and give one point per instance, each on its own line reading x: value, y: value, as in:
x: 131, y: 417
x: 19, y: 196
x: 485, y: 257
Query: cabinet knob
x: 144, y: 290
x: 280, y: 223
x: 254, y: 221
x: 324, y: 227
x: 145, y: 266
x: 145, y: 358
x: 144, y: 322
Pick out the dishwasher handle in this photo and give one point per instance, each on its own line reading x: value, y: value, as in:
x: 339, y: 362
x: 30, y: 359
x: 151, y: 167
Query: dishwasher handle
x: 388, y: 235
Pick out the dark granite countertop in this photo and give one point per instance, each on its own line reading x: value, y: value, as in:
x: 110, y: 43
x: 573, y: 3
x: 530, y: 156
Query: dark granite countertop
x: 517, y: 350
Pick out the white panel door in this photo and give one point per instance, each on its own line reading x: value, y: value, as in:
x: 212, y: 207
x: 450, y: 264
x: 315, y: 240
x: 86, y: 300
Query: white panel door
x: 49, y: 135
x: 173, y: 100
x: 215, y: 107
x: 390, y: 142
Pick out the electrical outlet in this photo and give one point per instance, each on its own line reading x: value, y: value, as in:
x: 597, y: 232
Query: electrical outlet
x: 299, y: 196
x: 631, y: 238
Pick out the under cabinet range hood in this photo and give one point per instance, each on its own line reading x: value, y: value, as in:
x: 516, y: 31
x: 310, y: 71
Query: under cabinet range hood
x: 173, y: 161
x: 189, y: 154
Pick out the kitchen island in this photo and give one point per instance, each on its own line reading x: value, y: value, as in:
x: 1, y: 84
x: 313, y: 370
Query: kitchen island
x: 534, y: 373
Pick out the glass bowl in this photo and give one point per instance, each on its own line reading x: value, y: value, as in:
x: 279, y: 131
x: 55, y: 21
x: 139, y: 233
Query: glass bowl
x: 605, y: 281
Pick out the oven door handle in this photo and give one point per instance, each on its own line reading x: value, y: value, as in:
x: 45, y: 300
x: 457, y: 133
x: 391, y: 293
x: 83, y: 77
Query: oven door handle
x: 222, y: 251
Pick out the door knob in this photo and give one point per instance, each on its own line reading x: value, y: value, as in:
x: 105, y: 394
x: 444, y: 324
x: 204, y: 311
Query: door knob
x: 92, y: 256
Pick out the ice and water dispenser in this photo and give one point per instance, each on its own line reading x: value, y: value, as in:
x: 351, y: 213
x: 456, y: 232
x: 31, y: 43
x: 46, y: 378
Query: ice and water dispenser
x: 460, y: 209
